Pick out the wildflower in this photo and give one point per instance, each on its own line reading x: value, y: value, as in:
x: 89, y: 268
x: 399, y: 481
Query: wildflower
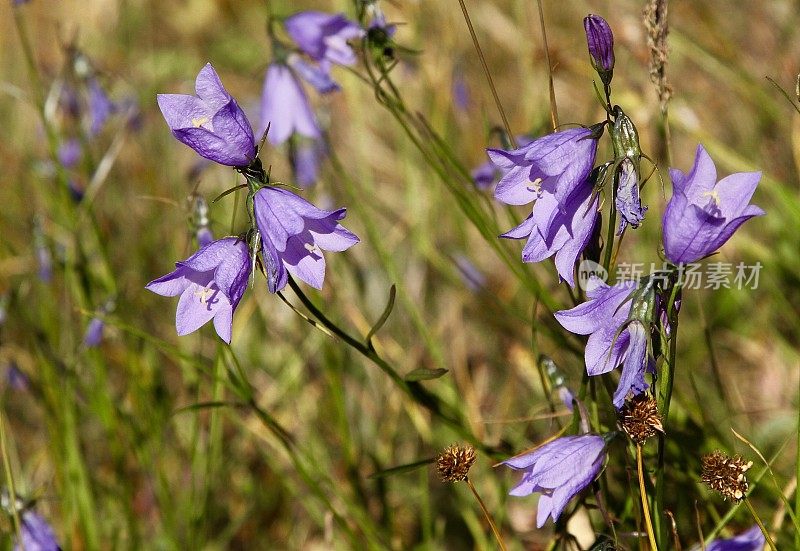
x: 487, y: 174
x: 306, y: 157
x: 36, y: 534
x: 324, y: 36
x: 285, y: 107
x: 455, y: 462
x: 749, y: 540
x: 211, y: 123
x: 613, y: 337
x: 69, y: 153
x: 16, y: 378
x: 560, y: 230
x: 703, y: 213
x: 725, y: 475
x: 211, y: 283
x: 317, y: 76
x: 629, y: 205
x: 472, y: 277
x: 558, y: 164
x: 639, y: 418
x: 293, y: 235
x: 601, y: 45
x: 94, y: 332
x: 100, y: 107
x: 558, y: 470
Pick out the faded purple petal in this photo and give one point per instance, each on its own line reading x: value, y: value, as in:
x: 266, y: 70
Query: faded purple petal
x: 703, y: 213
x: 94, y: 332
x: 324, y: 36
x: 628, y: 202
x: 285, y: 107
x: 36, y: 534
x: 306, y: 157
x: 632, y: 379
x: 100, y: 107
x: 484, y: 175
x: 69, y: 153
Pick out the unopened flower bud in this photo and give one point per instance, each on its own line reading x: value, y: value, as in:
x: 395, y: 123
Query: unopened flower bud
x: 601, y: 46
x: 624, y: 136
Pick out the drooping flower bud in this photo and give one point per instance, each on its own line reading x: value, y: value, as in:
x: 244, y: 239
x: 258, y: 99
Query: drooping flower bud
x: 601, y: 46
x: 628, y: 203
x: 624, y: 136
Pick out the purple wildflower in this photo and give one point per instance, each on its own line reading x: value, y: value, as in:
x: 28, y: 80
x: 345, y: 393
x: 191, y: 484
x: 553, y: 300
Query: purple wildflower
x: 45, y: 261
x: 484, y: 175
x: 749, y: 540
x: 69, y: 152
x: 557, y: 163
x: 100, y: 107
x: 324, y: 36
x: 211, y: 283
x: 285, y: 107
x: 558, y: 470
x: 613, y: 340
x: 560, y: 230
x: 36, y: 534
x: 211, y: 123
x: 16, y: 378
x: 628, y: 203
x: 601, y: 44
x: 703, y: 213
x: 94, y: 332
x: 461, y: 95
x: 306, y: 158
x: 293, y: 234
x: 472, y: 277
x: 316, y: 75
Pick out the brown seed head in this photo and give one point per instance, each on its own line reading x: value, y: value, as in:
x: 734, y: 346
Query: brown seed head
x: 726, y: 474
x: 639, y: 418
x: 454, y: 463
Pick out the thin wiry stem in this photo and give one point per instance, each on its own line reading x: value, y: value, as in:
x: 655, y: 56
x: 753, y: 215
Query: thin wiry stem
x: 553, y: 106
x: 643, y: 494
x: 12, y: 498
x: 488, y: 516
x: 760, y: 524
x: 488, y: 74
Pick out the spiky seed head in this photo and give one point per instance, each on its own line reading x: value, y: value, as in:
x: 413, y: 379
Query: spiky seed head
x: 639, y: 418
x: 454, y: 462
x: 725, y: 474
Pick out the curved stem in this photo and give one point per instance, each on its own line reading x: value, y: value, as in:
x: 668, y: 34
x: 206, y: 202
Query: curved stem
x: 760, y: 524
x: 645, y: 507
x: 553, y: 106
x: 488, y: 516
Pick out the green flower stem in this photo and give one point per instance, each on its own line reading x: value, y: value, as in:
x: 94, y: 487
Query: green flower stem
x: 760, y: 524
x: 414, y: 390
x: 12, y: 498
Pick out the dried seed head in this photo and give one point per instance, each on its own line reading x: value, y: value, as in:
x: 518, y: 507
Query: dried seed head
x: 726, y: 474
x: 639, y: 418
x: 655, y: 22
x: 454, y: 463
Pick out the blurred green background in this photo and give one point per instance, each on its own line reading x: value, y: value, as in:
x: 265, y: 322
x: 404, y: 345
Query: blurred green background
x: 145, y: 442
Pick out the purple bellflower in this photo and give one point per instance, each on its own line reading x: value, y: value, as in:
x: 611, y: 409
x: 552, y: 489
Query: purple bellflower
x: 306, y: 157
x: 285, y: 107
x: 69, y: 152
x: 600, y: 40
x: 324, y: 36
x: 36, y: 534
x: 613, y: 339
x: 211, y: 123
x: 211, y: 283
x: 94, y: 332
x: 487, y: 174
x: 100, y: 107
x: 293, y: 235
x: 316, y: 75
x: 557, y: 163
x: 558, y: 470
x: 563, y: 230
x: 628, y: 203
x: 703, y: 213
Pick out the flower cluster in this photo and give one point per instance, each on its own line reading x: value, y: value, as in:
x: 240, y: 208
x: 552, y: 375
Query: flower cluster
x: 291, y: 231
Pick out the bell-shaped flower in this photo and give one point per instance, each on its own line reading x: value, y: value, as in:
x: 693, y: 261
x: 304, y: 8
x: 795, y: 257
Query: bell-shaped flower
x: 628, y: 203
x: 557, y: 163
x: 36, y: 534
x: 563, y: 230
x: 600, y: 40
x: 293, y: 235
x: 285, y: 107
x: 316, y: 75
x: 306, y: 156
x: 324, y: 36
x: 614, y: 338
x: 558, y: 470
x: 211, y: 123
x: 703, y: 213
x: 749, y: 540
x: 211, y: 283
